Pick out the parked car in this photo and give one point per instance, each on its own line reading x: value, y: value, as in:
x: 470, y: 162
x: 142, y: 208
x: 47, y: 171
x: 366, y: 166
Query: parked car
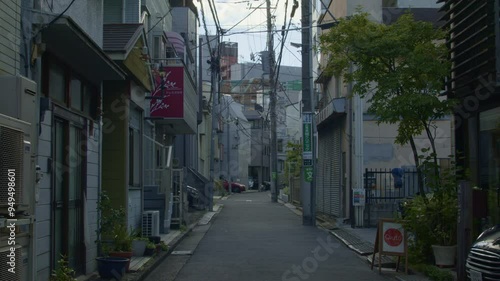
x: 235, y: 187
x: 483, y: 262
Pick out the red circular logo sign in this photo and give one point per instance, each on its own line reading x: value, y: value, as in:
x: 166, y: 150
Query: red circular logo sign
x: 393, y: 237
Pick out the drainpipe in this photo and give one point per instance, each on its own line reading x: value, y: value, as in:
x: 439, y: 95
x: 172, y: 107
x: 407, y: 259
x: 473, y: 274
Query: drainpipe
x: 38, y: 79
x: 99, y: 174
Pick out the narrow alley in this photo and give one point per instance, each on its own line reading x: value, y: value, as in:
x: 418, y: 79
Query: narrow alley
x: 252, y: 239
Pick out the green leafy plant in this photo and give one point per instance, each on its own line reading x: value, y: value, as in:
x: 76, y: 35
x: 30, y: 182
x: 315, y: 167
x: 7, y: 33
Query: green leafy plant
x: 63, y: 271
x: 150, y: 245
x: 434, y: 273
x: 183, y: 228
x: 164, y: 247
x: 220, y: 188
x: 432, y: 219
x: 112, y: 227
x: 286, y: 190
x: 122, y: 241
x: 399, y: 68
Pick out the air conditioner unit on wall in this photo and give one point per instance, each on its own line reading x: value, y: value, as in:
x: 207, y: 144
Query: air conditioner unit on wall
x: 150, y: 223
x: 17, y: 165
x: 19, y: 273
x: 18, y: 98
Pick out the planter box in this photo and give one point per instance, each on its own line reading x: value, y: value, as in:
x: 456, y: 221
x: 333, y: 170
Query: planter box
x: 138, y: 247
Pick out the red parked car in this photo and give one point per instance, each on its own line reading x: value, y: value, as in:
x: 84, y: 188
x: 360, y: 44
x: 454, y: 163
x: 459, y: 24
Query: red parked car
x: 235, y: 187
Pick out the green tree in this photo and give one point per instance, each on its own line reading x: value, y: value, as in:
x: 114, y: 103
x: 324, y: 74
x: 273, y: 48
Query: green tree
x: 400, y: 69
x: 293, y: 162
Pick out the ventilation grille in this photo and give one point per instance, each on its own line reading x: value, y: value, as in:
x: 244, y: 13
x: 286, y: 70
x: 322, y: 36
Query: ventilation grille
x: 18, y: 274
x: 151, y: 223
x: 11, y: 153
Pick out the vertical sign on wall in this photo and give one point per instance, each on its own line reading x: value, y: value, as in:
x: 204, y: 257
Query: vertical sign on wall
x: 168, y: 95
x: 307, y: 146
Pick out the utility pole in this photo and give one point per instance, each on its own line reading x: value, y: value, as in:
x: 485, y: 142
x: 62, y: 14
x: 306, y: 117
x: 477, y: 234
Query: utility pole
x: 274, y: 153
x: 214, y: 70
x: 229, y: 180
x: 308, y: 189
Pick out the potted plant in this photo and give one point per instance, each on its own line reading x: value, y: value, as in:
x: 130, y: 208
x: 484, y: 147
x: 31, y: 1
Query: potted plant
x: 432, y: 219
x: 164, y: 247
x: 108, y: 221
x: 122, y: 243
x: 150, y: 249
x: 138, y: 243
x: 138, y: 246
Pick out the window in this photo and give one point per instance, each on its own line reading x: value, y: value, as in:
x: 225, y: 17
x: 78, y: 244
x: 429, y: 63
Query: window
x: 134, y: 157
x: 257, y: 124
x: 71, y: 90
x: 89, y: 101
x: 157, y: 47
x: 57, y: 83
x: 489, y: 164
x: 76, y: 94
x: 280, y: 145
x: 281, y: 165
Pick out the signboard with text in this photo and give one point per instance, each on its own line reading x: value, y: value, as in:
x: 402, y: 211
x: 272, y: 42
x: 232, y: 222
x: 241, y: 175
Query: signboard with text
x: 391, y: 240
x: 358, y: 196
x: 168, y: 94
x: 307, y: 137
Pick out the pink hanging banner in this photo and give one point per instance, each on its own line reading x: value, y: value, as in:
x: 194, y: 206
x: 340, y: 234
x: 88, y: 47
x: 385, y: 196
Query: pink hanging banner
x: 168, y: 101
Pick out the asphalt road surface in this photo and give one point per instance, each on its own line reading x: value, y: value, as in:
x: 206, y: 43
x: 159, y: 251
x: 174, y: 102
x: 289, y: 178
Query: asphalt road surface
x: 252, y: 239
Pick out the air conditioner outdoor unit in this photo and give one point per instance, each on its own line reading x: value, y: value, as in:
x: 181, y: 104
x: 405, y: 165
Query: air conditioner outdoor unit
x: 150, y: 223
x: 19, y: 273
x: 18, y: 98
x: 17, y: 163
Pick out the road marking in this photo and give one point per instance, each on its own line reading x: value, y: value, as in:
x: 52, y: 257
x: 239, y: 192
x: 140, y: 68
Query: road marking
x: 182, y: 253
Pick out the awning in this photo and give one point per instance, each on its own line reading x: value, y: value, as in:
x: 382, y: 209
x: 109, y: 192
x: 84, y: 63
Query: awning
x: 124, y: 43
x: 176, y: 40
x: 67, y: 41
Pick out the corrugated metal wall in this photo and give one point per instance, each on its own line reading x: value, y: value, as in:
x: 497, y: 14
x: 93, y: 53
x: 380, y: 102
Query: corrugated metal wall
x: 328, y: 185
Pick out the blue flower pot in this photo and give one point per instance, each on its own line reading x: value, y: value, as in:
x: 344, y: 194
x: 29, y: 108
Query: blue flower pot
x: 112, y: 267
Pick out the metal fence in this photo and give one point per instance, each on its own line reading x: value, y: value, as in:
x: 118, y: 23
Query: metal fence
x: 382, y: 186
x: 385, y: 189
x: 295, y: 197
x: 154, y: 152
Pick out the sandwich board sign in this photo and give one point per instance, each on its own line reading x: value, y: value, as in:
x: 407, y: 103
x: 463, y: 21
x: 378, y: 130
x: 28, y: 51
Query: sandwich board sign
x: 391, y: 240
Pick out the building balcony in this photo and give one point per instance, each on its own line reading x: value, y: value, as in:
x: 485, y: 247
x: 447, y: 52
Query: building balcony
x: 174, y: 100
x: 336, y: 107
